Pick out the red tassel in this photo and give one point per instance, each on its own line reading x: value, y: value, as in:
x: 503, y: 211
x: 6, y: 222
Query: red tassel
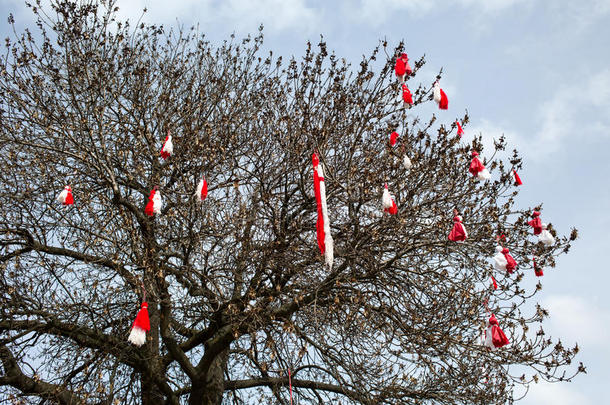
x: 460, y: 131
x: 458, y: 233
x: 393, y: 138
x: 407, y: 97
x: 517, y: 178
x: 402, y: 66
x: 493, y: 280
x: 536, y: 223
x: 140, y: 326
x: 325, y: 239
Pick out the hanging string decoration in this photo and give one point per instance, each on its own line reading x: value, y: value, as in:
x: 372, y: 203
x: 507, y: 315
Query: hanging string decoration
x: 325, y: 240
x: 168, y: 147
x: 477, y: 169
x: 460, y: 131
x: 536, y: 223
x: 65, y: 197
x: 140, y: 326
x: 458, y: 233
x: 494, y: 336
x: 202, y: 189
x: 545, y: 236
x: 402, y: 68
x: 155, y: 203
x: 389, y: 205
x: 440, y: 97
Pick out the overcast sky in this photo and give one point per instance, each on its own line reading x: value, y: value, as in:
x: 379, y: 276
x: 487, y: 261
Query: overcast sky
x: 536, y: 71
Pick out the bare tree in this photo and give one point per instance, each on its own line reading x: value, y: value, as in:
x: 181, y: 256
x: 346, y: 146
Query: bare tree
x: 238, y: 293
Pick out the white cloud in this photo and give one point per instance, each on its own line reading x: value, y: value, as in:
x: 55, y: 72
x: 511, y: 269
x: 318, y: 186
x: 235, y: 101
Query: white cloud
x: 574, y: 109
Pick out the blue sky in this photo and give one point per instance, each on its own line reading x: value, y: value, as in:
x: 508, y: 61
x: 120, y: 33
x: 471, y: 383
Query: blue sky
x: 536, y: 71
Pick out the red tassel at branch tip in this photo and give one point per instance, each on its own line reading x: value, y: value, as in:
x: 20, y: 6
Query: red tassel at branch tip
x: 440, y: 97
x: 393, y: 138
x: 140, y: 326
x: 402, y: 67
x: 389, y: 205
x: 517, y: 179
x: 65, y: 197
x: 493, y: 280
x: 494, y: 336
x: 458, y: 233
x: 536, y: 223
x: 537, y: 269
x: 460, y: 131
x: 202, y: 189
x: 477, y: 169
x: 168, y: 147
x: 407, y: 97
x: 155, y: 203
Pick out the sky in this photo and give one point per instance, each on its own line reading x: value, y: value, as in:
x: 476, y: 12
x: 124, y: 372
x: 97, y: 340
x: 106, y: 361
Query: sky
x: 536, y: 71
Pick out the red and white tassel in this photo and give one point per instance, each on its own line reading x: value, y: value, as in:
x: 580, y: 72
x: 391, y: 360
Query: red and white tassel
x: 140, y: 326
x: 202, y: 189
x: 155, y: 203
x: 440, y: 97
x: 458, y: 233
x: 516, y: 179
x: 546, y: 237
x: 168, y: 147
x: 477, y: 169
x: 536, y: 223
x: 407, y: 97
x: 65, y: 197
x: 393, y: 138
x: 494, y: 336
x: 460, y: 131
x: 402, y: 68
x: 389, y: 205
x: 325, y: 239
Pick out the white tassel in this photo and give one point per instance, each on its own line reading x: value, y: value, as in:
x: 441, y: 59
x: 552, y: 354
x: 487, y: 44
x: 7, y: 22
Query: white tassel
x: 500, y: 261
x: 483, y: 174
x: 386, y: 199
x: 157, y: 202
x: 545, y: 237
x: 137, y: 336
x: 437, y: 93
x: 62, y: 196
x: 488, y: 338
x: 407, y: 163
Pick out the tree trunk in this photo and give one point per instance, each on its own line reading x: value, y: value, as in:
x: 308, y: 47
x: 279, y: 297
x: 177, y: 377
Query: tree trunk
x: 150, y: 393
x: 210, y: 390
